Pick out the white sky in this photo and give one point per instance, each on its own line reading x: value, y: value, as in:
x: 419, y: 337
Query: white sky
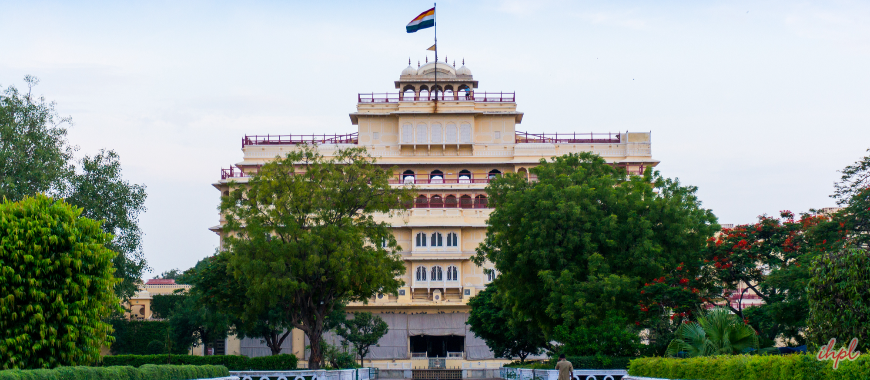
x: 758, y: 103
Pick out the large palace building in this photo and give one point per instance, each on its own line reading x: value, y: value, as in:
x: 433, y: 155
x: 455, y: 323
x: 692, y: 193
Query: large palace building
x: 448, y: 140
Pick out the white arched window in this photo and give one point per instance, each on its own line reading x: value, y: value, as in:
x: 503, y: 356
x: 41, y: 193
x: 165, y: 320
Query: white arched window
x: 490, y: 275
x: 450, y: 135
x: 421, y: 239
x: 407, y: 133
x: 421, y: 134
x: 421, y: 273
x: 436, y: 273
x: 437, y: 239
x: 452, y: 240
x: 436, y: 133
x: 452, y: 273
x: 465, y: 133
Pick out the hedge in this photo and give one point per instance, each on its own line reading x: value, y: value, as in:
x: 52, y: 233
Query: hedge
x: 145, y: 372
x: 138, y: 337
x: 580, y: 362
x: 233, y: 362
x: 751, y: 367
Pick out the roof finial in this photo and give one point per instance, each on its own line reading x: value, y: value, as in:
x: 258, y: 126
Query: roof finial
x: 409, y: 61
x: 427, y: 59
x: 445, y: 59
x: 463, y: 61
x: 454, y: 63
x: 418, y: 63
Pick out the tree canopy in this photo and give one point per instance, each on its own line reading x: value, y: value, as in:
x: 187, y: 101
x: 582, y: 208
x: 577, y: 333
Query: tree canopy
x: 363, y: 332
x: 55, y: 285
x: 301, y: 230
x: 583, y: 238
x: 36, y: 158
x: 506, y: 336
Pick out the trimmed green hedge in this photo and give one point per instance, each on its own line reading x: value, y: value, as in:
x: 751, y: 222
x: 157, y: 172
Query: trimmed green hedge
x: 751, y: 367
x: 580, y: 362
x: 233, y: 362
x: 139, y: 337
x: 145, y: 372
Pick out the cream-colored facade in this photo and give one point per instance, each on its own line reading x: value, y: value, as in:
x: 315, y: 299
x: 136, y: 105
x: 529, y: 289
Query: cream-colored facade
x: 448, y: 149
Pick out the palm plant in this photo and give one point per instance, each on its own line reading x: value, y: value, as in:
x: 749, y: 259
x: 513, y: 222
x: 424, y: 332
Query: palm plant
x: 717, y: 332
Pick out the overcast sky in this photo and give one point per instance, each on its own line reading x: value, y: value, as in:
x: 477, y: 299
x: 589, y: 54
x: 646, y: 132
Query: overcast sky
x: 758, y: 103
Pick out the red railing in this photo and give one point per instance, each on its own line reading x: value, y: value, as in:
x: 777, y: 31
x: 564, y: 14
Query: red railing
x: 567, y: 138
x: 350, y: 138
x: 450, y: 203
x: 233, y: 172
x: 430, y: 179
x: 394, y: 97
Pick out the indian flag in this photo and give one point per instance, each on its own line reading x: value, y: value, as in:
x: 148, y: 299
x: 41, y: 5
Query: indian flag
x: 423, y: 21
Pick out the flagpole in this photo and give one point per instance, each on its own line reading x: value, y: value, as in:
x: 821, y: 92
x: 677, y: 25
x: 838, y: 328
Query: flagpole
x: 434, y: 5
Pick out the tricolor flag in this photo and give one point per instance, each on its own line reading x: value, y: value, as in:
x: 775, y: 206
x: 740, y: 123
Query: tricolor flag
x: 423, y: 21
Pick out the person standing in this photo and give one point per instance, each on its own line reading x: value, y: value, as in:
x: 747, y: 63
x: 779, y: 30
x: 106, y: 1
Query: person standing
x: 566, y: 369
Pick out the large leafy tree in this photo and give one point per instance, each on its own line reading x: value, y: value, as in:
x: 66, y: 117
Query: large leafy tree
x: 504, y: 334
x: 583, y: 238
x: 55, y: 285
x: 104, y: 195
x: 35, y: 156
x: 363, y: 332
x: 215, y: 288
x: 193, y: 320
x: 838, y: 298
x: 302, y: 232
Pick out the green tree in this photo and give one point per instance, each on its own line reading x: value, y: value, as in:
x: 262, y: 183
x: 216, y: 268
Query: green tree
x: 35, y: 157
x: 34, y: 153
x: 363, y: 332
x: 504, y: 335
x: 101, y: 191
x: 584, y: 237
x: 853, y: 193
x: 217, y: 289
x: 302, y: 231
x: 717, y: 332
x: 195, y: 321
x: 839, y: 301
x: 612, y: 337
x: 55, y: 285
x: 172, y: 274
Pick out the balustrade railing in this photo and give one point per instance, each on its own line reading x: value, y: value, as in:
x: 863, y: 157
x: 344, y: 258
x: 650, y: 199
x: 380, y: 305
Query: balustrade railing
x: 350, y: 138
x: 422, y: 179
x: 567, y: 138
x: 394, y: 97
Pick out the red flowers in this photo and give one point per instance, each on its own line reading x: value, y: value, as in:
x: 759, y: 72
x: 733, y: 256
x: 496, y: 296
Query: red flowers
x: 684, y: 281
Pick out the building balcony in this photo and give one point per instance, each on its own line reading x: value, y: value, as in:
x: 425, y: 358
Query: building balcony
x: 350, y: 138
x: 473, y: 96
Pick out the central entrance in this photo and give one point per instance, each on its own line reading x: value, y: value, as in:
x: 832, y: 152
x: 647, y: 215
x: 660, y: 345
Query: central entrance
x: 437, y: 346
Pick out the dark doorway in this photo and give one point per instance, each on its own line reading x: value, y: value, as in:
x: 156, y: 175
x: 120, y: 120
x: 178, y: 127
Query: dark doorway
x: 437, y: 346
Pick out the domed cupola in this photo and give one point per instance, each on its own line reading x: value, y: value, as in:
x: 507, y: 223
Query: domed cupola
x: 463, y: 70
x: 410, y: 70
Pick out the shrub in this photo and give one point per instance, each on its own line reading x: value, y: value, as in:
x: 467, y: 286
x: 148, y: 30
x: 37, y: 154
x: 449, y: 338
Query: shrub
x: 55, y: 285
x: 135, y: 337
x: 233, y: 362
x: 146, y: 372
x: 581, y: 362
x: 838, y: 298
x: 750, y: 367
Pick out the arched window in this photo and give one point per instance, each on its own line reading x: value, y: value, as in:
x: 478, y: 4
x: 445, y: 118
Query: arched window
x: 490, y: 275
x: 436, y: 274
x: 437, y: 239
x: 448, y: 93
x: 422, y: 202
x: 465, y: 133
x: 452, y: 273
x: 407, y: 133
x: 436, y: 202
x: 422, y: 135
x: 451, y: 201
x: 480, y: 201
x: 464, y: 176
x: 493, y: 174
x: 452, y: 240
x: 424, y: 93
x: 408, y: 176
x: 421, y: 239
x: 466, y: 202
x: 421, y: 273
x: 408, y: 93
x: 436, y: 133
x: 436, y: 176
x: 450, y: 133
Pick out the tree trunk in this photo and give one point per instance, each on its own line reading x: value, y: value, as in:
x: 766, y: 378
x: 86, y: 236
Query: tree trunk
x: 274, y: 342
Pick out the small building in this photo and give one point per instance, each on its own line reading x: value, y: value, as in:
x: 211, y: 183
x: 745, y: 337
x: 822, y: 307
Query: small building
x: 139, y: 305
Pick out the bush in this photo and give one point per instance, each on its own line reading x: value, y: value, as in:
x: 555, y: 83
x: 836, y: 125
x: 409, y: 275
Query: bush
x: 162, y: 305
x: 613, y: 337
x: 751, y: 367
x: 580, y: 362
x: 838, y: 298
x: 146, y: 372
x: 233, y: 362
x: 135, y: 337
